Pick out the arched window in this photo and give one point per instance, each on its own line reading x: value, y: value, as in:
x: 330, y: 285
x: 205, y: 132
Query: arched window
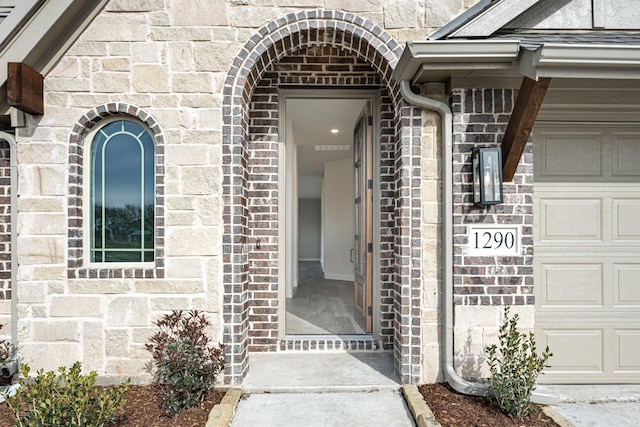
x: 122, y: 193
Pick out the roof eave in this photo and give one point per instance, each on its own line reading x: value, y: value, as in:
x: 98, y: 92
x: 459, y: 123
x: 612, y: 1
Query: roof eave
x: 596, y: 61
x: 437, y: 61
x: 422, y: 59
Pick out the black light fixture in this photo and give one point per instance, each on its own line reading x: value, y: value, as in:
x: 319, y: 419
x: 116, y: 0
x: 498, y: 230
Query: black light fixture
x: 487, y: 176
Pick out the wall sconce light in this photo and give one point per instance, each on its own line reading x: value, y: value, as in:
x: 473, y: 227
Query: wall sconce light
x: 487, y: 176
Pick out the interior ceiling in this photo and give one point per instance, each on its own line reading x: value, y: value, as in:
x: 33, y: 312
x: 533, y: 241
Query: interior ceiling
x: 311, y: 120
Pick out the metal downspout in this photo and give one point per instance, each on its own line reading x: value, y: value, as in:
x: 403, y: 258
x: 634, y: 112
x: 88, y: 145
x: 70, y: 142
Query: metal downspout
x: 455, y: 381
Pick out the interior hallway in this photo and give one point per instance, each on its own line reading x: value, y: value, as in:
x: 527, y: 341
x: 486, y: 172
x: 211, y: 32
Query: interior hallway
x: 321, y: 306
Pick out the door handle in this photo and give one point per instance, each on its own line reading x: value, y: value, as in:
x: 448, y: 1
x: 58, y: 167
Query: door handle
x: 351, y: 255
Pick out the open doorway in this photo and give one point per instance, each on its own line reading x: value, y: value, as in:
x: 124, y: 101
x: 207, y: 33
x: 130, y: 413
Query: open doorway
x: 329, y: 206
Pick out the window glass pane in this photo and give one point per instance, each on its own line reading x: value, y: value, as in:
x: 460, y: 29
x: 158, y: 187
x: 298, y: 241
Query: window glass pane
x: 122, y: 193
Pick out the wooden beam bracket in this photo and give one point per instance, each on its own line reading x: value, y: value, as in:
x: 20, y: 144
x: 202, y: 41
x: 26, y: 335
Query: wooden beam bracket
x: 25, y: 88
x: 522, y: 119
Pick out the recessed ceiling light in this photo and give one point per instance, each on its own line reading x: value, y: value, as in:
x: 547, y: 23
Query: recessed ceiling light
x: 335, y: 130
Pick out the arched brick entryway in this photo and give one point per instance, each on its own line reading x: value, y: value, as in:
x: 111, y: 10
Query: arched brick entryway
x: 243, y: 135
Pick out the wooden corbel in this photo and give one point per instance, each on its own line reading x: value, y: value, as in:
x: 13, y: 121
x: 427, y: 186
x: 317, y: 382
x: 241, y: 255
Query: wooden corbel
x: 523, y: 117
x: 25, y: 88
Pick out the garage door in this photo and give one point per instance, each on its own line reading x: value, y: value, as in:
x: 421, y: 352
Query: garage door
x: 587, y: 251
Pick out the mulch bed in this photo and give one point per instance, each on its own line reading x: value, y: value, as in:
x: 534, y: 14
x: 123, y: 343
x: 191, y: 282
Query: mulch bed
x: 142, y: 409
x: 453, y: 409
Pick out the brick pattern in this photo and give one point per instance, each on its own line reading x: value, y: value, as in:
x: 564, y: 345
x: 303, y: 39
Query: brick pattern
x: 263, y: 189
x: 328, y: 344
x: 75, y: 264
x: 480, y: 119
x: 369, y: 43
x: 5, y: 220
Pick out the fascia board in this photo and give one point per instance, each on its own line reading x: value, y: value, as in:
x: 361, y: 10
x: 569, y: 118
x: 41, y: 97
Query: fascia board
x: 494, y: 18
x: 13, y: 21
x: 581, y: 61
x: 423, y: 55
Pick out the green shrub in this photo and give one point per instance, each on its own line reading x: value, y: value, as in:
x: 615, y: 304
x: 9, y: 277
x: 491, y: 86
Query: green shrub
x: 514, y: 366
x: 186, y: 365
x: 5, y: 351
x: 64, y: 398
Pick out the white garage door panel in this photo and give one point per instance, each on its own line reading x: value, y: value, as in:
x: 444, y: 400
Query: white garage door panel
x: 569, y: 220
x: 626, y: 219
x: 573, y: 350
x: 626, y: 155
x: 584, y: 150
x: 570, y: 284
x: 587, y: 252
x: 626, y: 285
x: 627, y: 356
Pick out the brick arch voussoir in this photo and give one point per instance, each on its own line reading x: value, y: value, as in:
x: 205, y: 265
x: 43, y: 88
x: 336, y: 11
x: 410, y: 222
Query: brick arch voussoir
x: 281, y: 37
x: 94, y: 116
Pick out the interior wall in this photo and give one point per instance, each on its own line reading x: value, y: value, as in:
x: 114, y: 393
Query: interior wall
x: 338, y: 220
x: 309, y: 229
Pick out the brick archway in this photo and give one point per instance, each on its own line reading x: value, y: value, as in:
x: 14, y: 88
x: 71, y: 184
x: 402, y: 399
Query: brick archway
x: 274, y: 41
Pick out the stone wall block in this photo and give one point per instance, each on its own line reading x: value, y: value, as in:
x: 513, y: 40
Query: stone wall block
x: 42, y: 250
x: 184, y: 268
x: 151, y: 78
x: 355, y: 5
x: 42, y: 224
x: 128, y: 311
x: 67, y: 85
x: 201, y: 180
x: 253, y: 17
x: 181, y: 55
x: 56, y: 330
x: 31, y: 292
x: 135, y: 5
x: 187, y: 154
x: 170, y: 303
x: 112, y: 27
x: 49, y: 356
x: 438, y: 13
x: 47, y: 152
x: 214, y: 56
x: 116, y: 64
x: 400, y: 13
x: 201, y: 12
x: 176, y: 287
x: 189, y: 241
x: 117, y: 343
x: 42, y: 181
x: 148, y: 53
x: 111, y: 82
x: 38, y: 204
x: 100, y: 287
x: 42, y: 272
x: 75, y: 306
x: 93, y: 346
x: 191, y: 82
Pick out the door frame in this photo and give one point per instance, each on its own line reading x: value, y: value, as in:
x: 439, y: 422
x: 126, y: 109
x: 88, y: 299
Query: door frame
x: 287, y: 204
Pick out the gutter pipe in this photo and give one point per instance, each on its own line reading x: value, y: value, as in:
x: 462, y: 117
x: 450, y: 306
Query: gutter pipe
x: 455, y: 381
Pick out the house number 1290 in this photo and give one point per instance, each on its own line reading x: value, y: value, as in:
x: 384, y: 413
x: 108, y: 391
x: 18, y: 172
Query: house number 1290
x: 494, y: 240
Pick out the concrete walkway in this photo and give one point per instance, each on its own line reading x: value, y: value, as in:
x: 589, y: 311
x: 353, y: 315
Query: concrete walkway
x: 327, y: 389
x: 599, y: 405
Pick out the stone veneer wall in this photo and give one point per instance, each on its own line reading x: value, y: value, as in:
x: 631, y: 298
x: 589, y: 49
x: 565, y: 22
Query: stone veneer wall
x: 483, y: 285
x: 191, y: 69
